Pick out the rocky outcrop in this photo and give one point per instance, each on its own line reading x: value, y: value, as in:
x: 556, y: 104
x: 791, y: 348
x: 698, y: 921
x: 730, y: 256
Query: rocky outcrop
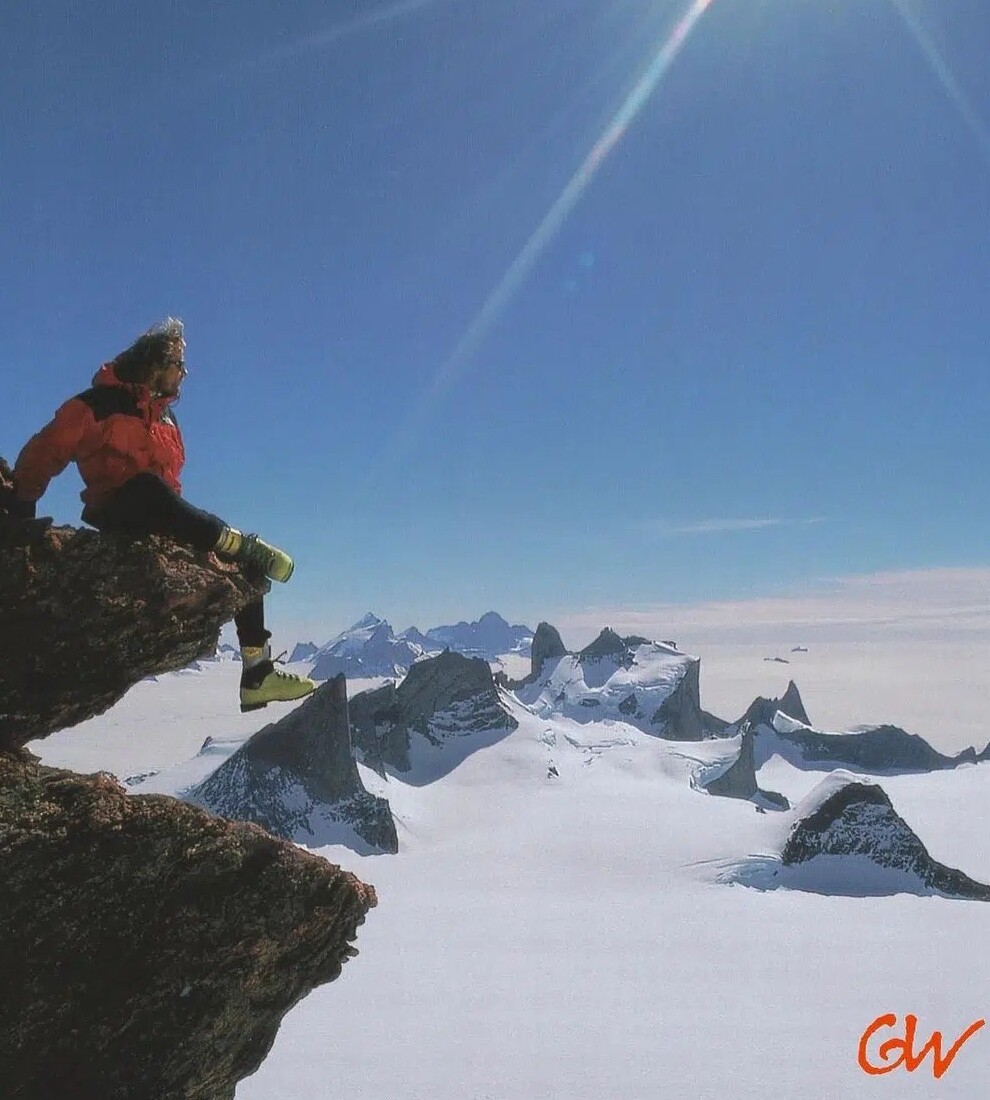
x: 679, y: 718
x: 607, y: 644
x: 713, y: 726
x: 850, y: 818
x: 302, y: 651
x: 761, y: 711
x: 298, y: 779
x: 442, y: 698
x: 150, y: 950
x: 739, y: 779
x: 547, y: 646
x: 83, y: 617
x: 878, y: 749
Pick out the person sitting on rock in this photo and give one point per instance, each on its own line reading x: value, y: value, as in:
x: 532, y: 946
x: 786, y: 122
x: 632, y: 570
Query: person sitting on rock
x: 124, y: 437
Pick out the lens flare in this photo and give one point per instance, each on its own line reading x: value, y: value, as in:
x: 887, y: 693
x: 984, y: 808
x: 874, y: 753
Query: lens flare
x: 944, y: 75
x: 555, y: 217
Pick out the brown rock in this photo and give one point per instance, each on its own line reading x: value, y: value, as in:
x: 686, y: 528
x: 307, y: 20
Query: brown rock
x: 150, y: 950
x: 84, y: 616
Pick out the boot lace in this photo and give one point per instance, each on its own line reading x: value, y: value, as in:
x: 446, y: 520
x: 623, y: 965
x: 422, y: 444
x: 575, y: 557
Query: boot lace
x: 280, y: 673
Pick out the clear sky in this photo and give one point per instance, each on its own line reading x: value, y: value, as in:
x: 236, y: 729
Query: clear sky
x: 532, y: 306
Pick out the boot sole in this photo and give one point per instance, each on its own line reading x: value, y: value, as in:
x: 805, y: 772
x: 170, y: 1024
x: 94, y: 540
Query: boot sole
x: 245, y: 707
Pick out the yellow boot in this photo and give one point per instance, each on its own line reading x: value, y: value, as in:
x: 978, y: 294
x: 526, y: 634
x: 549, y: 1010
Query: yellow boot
x: 262, y: 683
x: 253, y: 551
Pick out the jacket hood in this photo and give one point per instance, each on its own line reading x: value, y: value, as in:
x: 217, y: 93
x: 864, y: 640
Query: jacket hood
x: 107, y: 376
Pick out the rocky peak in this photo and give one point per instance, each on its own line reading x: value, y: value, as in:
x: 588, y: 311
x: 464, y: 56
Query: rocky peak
x: 877, y: 749
x: 739, y: 779
x: 298, y: 779
x: 547, y: 646
x: 607, y: 644
x: 761, y: 711
x: 847, y: 817
x: 441, y: 697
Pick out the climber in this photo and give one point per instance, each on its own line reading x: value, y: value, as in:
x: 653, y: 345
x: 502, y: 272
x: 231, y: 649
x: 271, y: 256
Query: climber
x: 124, y: 437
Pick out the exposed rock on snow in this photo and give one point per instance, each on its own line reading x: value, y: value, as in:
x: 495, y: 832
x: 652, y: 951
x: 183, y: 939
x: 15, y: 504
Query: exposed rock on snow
x: 875, y: 749
x: 302, y: 651
x: 546, y: 646
x: 848, y: 818
x: 86, y: 616
x: 298, y: 778
x: 607, y: 644
x: 368, y: 648
x: 442, y: 698
x: 648, y: 685
x: 416, y: 637
x: 738, y: 780
x: 761, y: 711
x: 150, y: 949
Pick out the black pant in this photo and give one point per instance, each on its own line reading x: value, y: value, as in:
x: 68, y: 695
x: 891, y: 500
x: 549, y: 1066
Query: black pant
x: 145, y: 505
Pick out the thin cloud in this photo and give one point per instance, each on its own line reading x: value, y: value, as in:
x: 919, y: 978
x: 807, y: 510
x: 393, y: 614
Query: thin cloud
x: 724, y: 526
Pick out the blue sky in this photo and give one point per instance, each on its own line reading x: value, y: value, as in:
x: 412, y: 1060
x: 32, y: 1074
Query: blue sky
x: 752, y: 355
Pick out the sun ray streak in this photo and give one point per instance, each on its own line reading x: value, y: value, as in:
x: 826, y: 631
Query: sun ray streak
x: 330, y: 35
x: 944, y: 75
x: 555, y: 217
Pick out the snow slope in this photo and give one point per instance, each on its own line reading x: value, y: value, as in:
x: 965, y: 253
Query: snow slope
x: 554, y: 927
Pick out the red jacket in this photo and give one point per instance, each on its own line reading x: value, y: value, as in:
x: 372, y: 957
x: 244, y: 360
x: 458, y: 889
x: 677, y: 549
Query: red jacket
x: 113, y: 432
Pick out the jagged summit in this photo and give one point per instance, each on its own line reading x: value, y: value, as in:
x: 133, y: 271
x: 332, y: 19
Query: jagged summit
x: 489, y: 637
x: 875, y: 749
x: 607, y: 644
x: 846, y: 838
x: 738, y: 778
x: 303, y: 651
x: 761, y: 711
x: 297, y: 778
x: 417, y: 637
x: 369, y: 648
x: 650, y: 686
x: 442, y: 699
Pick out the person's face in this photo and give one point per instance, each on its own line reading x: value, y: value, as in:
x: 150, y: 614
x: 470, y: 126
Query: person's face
x: 173, y: 371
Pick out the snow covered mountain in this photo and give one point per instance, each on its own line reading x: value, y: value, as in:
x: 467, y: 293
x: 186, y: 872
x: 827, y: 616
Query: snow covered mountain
x: 782, y: 727
x: 646, y: 684
x: 298, y: 779
x: 303, y: 651
x: 489, y: 637
x: 443, y: 699
x: 845, y: 837
x: 368, y: 648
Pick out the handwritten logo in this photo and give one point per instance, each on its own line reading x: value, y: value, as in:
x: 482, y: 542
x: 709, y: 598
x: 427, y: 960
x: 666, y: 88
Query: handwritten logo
x: 902, y: 1051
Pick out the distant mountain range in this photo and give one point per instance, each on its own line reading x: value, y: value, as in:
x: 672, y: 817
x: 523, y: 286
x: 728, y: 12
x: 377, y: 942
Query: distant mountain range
x: 371, y: 648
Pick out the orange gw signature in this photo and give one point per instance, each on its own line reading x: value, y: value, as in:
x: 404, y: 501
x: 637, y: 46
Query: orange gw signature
x: 902, y: 1051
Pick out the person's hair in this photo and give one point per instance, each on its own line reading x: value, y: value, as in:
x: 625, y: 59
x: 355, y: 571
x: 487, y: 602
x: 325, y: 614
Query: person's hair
x: 148, y: 352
